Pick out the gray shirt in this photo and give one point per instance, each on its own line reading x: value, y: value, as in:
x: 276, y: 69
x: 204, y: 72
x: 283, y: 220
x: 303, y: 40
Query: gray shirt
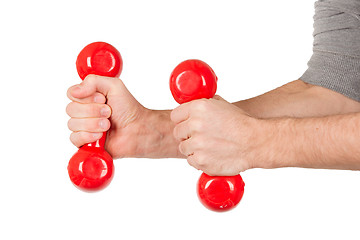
x: 335, y: 63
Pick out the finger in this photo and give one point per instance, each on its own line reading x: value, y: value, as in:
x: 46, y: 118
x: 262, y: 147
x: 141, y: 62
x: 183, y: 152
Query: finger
x: 81, y: 138
x: 91, y: 110
x: 191, y: 159
x: 89, y: 124
x: 182, y: 131
x: 181, y: 113
x: 186, y: 147
x: 95, y: 98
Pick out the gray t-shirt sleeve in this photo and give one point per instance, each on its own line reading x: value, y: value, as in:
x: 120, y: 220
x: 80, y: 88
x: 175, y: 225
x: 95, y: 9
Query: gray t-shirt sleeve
x: 335, y: 63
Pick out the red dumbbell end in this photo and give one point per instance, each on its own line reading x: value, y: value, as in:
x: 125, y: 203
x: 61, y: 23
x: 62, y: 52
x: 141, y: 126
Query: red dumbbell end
x: 220, y: 193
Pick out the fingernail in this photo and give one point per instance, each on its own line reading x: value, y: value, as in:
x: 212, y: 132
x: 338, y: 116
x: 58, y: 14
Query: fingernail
x: 105, y: 112
x: 97, y: 135
x: 103, y: 124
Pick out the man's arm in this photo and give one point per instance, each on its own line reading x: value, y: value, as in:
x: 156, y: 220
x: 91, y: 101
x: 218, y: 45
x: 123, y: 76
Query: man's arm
x: 330, y: 86
x: 295, y: 99
x: 299, y: 99
x: 328, y: 142
x: 149, y: 133
x: 210, y: 130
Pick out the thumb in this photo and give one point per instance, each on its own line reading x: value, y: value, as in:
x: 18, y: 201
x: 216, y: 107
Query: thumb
x: 95, y: 83
x: 118, y: 97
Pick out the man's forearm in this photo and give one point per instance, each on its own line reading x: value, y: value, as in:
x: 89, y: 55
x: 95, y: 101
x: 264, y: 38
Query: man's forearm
x: 328, y: 142
x: 298, y: 99
x: 295, y: 99
x: 156, y: 136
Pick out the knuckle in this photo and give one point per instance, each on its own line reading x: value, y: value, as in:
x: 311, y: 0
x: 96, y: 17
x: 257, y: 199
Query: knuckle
x: 68, y: 93
x: 200, y: 159
x: 74, y: 138
x: 68, y: 109
x: 70, y: 123
x: 90, y: 78
x: 199, y: 143
x: 201, y: 105
x: 196, y: 125
x: 182, y: 148
x: 191, y: 163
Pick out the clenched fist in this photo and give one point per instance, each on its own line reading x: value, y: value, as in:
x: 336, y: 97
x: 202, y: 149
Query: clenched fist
x: 216, y: 136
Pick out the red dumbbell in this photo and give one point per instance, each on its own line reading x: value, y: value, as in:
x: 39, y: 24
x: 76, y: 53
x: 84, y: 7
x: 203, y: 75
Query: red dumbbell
x: 190, y: 80
x: 91, y: 168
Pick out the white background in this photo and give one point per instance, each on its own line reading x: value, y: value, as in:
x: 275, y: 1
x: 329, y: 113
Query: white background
x: 253, y: 46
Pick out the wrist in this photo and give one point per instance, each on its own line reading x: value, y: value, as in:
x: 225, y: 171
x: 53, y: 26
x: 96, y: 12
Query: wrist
x: 273, y: 143
x: 155, y: 133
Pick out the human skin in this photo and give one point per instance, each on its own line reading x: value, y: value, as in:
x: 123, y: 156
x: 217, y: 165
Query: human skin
x: 296, y: 125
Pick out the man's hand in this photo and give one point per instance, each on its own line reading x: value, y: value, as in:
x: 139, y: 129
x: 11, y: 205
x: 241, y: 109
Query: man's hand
x: 216, y: 136
x: 96, y: 102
